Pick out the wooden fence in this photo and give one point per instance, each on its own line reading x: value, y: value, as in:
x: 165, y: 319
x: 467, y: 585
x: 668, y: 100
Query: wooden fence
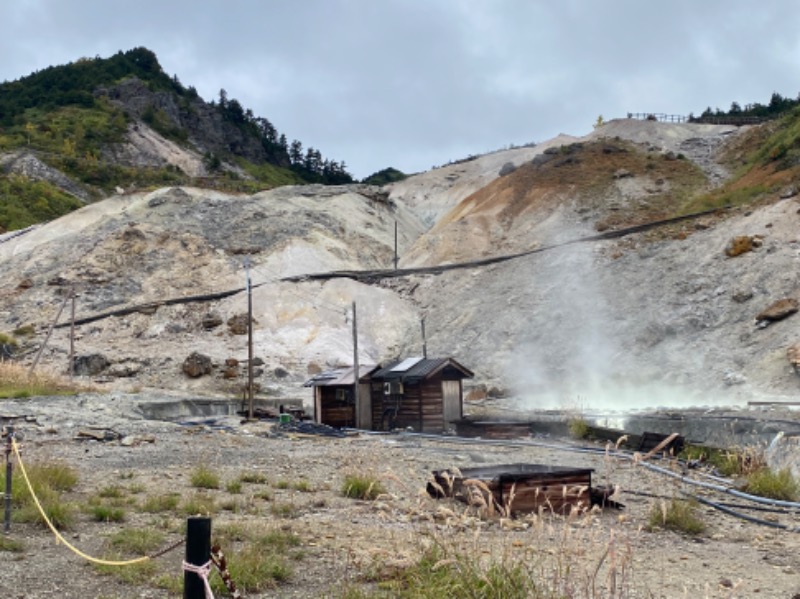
x: 706, y: 120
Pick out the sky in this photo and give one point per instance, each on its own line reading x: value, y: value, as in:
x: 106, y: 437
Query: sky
x: 414, y: 84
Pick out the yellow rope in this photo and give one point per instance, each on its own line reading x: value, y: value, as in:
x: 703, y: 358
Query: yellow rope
x: 58, y: 534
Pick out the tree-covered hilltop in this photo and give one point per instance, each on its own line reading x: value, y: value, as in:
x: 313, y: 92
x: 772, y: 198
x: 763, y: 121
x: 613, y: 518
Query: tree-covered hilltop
x: 776, y: 106
x: 75, y: 117
x: 385, y: 176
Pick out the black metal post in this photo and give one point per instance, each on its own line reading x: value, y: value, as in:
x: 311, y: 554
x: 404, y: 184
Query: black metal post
x: 198, y: 553
x: 9, y: 473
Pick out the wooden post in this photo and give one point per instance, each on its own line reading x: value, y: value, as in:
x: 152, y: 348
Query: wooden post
x: 424, y: 340
x: 9, y: 472
x: 356, y: 403
x: 72, y: 336
x: 249, y: 342
x: 49, y: 332
x: 395, y: 244
x: 198, y: 553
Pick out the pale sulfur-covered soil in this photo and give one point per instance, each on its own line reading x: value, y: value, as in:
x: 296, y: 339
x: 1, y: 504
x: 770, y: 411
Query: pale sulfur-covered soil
x: 345, y: 543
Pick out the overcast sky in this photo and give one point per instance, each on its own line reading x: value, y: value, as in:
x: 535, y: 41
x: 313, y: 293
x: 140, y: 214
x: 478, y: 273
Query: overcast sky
x: 417, y: 83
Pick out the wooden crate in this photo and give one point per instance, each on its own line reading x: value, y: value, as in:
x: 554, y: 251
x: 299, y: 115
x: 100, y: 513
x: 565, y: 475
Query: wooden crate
x: 523, y: 487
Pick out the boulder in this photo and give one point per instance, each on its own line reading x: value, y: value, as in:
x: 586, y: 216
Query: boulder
x: 778, y: 310
x: 237, y: 325
x: 196, y: 365
x: 90, y: 365
x: 211, y: 320
x: 743, y: 244
x: 507, y: 169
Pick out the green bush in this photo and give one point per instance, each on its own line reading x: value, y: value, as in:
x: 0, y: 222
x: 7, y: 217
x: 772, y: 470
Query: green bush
x: 775, y: 485
x: 578, y: 428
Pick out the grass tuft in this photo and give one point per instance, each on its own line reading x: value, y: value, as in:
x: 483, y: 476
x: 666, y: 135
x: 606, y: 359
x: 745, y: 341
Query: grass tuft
x: 255, y: 478
x: 578, y: 428
x: 161, y: 503
x: 678, y: 515
x: 204, y: 478
x: 201, y: 504
x: 136, y: 541
x: 357, y: 486
x: 49, y: 480
x: 107, y: 513
x: 11, y: 545
x: 775, y: 485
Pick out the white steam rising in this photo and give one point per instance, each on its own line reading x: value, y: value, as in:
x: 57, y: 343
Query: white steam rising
x: 578, y: 352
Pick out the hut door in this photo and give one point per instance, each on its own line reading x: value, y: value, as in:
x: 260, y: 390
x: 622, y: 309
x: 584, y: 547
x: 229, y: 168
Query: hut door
x: 451, y: 393
x: 364, y: 410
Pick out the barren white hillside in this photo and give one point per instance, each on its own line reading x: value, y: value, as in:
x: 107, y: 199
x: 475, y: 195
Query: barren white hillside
x: 640, y: 321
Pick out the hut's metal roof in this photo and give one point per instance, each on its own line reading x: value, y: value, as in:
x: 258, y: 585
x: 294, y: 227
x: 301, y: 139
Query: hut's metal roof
x: 339, y: 376
x: 417, y: 369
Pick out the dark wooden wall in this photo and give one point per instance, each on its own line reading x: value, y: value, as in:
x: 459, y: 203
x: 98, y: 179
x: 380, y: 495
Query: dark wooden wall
x: 421, y: 407
x: 335, y: 412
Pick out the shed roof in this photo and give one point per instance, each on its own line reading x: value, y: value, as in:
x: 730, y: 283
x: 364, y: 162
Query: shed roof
x: 339, y: 376
x: 417, y: 369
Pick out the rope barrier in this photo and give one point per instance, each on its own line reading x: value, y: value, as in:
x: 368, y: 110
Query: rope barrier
x: 57, y: 534
x: 203, y: 572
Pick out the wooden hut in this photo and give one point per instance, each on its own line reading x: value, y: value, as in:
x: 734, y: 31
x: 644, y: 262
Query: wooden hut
x: 334, y: 397
x: 419, y: 393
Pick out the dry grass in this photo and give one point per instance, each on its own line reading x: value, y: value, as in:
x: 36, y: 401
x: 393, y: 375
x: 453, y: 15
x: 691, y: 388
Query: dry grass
x: 362, y: 486
x: 17, y: 382
x: 678, y: 515
x: 556, y: 558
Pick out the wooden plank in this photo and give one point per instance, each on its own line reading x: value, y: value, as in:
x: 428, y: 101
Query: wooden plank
x: 533, y: 490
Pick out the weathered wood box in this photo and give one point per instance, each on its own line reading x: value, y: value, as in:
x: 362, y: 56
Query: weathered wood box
x: 522, y: 487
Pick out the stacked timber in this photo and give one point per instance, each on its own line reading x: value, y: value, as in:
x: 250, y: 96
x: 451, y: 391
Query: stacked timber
x: 516, y: 488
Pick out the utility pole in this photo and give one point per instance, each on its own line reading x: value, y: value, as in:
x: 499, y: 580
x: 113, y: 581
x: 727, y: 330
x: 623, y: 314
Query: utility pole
x: 424, y: 341
x: 249, y: 341
x: 47, y: 338
x: 357, y: 405
x: 72, y: 335
x: 395, y: 244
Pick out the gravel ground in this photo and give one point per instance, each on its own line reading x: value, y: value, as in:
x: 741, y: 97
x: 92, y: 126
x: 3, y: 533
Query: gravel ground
x: 343, y: 543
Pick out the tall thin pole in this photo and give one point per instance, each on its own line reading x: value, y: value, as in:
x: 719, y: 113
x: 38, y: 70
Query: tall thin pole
x: 72, y: 336
x: 9, y: 472
x: 249, y: 342
x: 424, y: 340
x: 356, y: 402
x: 47, y: 338
x: 395, y: 244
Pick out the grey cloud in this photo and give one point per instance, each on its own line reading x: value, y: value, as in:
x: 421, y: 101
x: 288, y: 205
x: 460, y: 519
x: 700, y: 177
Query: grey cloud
x: 412, y: 83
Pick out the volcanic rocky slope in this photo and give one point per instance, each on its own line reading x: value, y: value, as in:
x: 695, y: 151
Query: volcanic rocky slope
x: 659, y: 317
